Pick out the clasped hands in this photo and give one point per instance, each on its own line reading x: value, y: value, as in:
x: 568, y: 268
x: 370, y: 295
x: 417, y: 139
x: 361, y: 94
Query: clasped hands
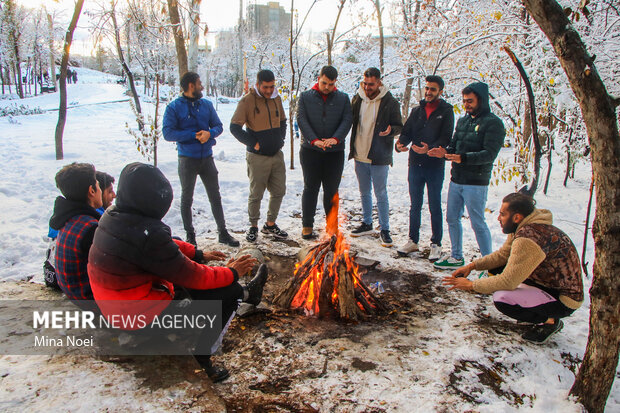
x: 242, y: 264
x: 203, y: 136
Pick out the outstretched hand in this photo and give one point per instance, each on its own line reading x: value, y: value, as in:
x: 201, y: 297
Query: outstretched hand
x: 387, y: 131
x: 458, y: 282
x: 242, y: 265
x: 213, y: 256
x: 400, y: 147
x: 438, y: 152
x: 420, y: 149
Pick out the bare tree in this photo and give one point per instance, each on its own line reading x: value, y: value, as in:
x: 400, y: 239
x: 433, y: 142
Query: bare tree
x: 179, y: 42
x: 194, y: 34
x: 50, y: 28
x: 596, y: 374
x: 62, y: 109
x: 331, y: 37
x: 379, y: 11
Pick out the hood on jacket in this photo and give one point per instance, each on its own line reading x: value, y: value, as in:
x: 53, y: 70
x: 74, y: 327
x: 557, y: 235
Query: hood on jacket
x: 256, y: 92
x: 362, y: 93
x: 65, y: 209
x: 538, y: 216
x: 482, y: 91
x: 143, y: 189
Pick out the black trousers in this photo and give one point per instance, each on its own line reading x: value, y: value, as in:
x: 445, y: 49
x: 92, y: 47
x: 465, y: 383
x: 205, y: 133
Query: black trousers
x: 189, y: 169
x: 230, y: 297
x: 319, y: 168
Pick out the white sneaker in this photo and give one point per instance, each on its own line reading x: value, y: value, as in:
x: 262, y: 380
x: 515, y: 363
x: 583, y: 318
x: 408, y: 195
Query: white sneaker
x: 435, y: 253
x: 410, y: 246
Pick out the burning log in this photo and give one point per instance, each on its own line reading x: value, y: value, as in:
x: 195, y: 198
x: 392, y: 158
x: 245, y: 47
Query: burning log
x: 326, y: 283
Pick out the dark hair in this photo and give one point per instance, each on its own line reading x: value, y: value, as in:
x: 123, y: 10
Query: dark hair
x: 75, y: 179
x: 519, y: 203
x: 105, y: 180
x: 330, y: 72
x: 372, y: 72
x: 187, y: 78
x: 265, y: 75
x: 436, y: 79
x: 469, y: 90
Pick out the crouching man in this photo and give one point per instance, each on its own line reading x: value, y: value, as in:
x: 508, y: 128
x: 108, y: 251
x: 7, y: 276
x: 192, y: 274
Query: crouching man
x: 539, y: 274
x: 134, y: 257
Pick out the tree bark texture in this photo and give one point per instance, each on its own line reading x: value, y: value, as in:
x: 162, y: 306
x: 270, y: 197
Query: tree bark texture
x: 596, y: 374
x: 62, y: 109
x: 50, y: 27
x: 194, y: 35
x: 381, y: 41
x: 179, y: 41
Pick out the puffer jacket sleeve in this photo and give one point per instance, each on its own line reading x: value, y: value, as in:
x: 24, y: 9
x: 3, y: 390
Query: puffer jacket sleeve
x: 346, y: 120
x: 309, y: 135
x: 215, y: 124
x: 166, y: 261
x: 171, y: 129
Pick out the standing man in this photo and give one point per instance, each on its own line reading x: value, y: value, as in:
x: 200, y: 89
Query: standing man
x: 324, y: 118
x: 192, y: 123
x: 478, y: 137
x: 376, y: 120
x: 262, y: 112
x: 429, y: 126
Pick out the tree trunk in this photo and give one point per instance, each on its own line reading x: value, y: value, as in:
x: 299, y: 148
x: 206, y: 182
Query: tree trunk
x: 179, y: 42
x: 62, y: 110
x: 596, y: 374
x: 128, y: 73
x: 292, y: 101
x: 407, y: 93
x: 194, y: 35
x: 50, y: 26
x: 381, y: 41
x: 331, y: 38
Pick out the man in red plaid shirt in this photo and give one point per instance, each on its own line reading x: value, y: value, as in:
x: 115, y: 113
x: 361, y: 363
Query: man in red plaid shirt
x: 76, y: 218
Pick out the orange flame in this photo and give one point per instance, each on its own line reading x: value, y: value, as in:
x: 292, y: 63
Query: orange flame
x: 307, y: 296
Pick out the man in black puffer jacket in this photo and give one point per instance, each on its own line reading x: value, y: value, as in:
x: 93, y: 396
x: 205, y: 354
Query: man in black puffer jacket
x: 476, y: 142
x: 324, y: 117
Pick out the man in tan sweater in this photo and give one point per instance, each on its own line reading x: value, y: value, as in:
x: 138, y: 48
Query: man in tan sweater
x: 538, y: 270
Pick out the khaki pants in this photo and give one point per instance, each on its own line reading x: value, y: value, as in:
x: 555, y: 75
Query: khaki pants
x: 265, y: 172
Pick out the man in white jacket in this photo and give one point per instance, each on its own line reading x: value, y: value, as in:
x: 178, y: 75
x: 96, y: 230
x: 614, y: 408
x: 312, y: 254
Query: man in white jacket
x: 376, y: 121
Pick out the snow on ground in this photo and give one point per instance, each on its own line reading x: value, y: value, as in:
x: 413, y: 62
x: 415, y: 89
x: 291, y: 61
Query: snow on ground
x: 95, y: 132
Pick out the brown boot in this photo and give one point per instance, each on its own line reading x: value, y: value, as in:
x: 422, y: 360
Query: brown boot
x: 307, y: 233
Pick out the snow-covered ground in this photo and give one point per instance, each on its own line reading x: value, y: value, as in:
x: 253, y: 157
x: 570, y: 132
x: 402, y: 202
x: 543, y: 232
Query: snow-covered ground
x: 95, y: 132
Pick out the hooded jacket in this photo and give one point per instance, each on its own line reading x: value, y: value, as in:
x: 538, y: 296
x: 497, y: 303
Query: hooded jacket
x: 435, y: 131
x: 537, y: 253
x: 478, y: 140
x: 76, y: 223
x: 183, y: 118
x: 324, y: 117
x: 387, y: 111
x: 265, y: 122
x: 134, y: 257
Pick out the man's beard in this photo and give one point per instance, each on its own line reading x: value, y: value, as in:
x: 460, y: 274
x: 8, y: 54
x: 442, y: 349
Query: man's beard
x: 510, y: 227
x: 197, y: 94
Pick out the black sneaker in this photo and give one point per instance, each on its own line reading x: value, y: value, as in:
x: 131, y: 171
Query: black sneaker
x: 363, y: 229
x: 191, y: 238
x: 225, y: 238
x: 255, y: 286
x: 252, y: 234
x: 216, y: 374
x: 274, y: 230
x: 386, y: 240
x: 540, y: 333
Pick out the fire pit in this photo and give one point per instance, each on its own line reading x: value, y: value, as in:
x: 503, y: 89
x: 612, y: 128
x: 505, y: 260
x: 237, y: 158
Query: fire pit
x: 327, y: 282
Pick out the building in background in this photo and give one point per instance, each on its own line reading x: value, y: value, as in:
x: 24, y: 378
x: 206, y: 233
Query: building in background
x: 268, y: 18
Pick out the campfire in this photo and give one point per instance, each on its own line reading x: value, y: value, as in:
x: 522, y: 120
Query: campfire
x: 327, y: 282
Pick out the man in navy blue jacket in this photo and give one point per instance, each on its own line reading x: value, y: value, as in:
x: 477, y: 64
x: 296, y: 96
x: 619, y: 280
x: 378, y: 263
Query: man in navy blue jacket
x: 193, y: 124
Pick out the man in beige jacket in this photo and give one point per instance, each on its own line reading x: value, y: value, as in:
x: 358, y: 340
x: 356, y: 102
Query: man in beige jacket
x: 538, y: 270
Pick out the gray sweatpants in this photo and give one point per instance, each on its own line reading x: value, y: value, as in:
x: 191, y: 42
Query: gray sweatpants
x: 189, y: 169
x: 265, y: 172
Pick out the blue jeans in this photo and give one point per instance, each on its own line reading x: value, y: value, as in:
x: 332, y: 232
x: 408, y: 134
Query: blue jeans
x: 419, y: 176
x: 376, y: 176
x: 474, y: 197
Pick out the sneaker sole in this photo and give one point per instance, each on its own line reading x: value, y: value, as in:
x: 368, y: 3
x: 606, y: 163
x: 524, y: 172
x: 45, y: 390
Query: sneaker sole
x: 384, y: 244
x: 447, y: 267
x: 548, y: 337
x: 359, y: 234
x: 274, y: 235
